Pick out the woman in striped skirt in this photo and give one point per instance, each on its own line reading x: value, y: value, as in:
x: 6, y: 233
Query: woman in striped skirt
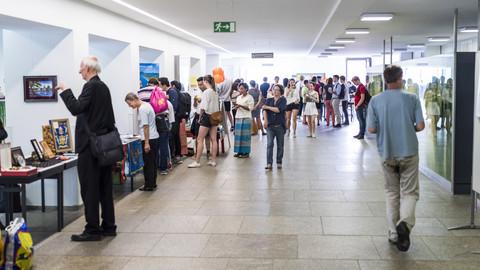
x: 243, y: 122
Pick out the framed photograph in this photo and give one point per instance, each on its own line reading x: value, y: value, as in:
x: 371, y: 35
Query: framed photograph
x: 18, y: 159
x: 62, y: 135
x: 38, y: 149
x: 40, y: 89
x: 46, y: 150
x: 147, y: 71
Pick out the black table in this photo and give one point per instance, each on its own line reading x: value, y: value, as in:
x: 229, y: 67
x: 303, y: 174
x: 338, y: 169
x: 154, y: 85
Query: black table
x: 53, y: 172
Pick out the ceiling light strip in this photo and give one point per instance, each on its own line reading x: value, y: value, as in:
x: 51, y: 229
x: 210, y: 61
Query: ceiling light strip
x: 151, y: 16
x: 327, y: 21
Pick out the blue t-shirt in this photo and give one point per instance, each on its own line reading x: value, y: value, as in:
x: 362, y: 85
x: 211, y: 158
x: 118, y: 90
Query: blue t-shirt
x: 394, y: 114
x: 275, y: 119
x: 264, y: 88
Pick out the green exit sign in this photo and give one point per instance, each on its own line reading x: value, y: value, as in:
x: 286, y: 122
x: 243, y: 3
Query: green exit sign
x: 224, y: 27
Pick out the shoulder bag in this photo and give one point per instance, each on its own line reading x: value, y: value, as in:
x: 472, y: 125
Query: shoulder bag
x: 107, y: 147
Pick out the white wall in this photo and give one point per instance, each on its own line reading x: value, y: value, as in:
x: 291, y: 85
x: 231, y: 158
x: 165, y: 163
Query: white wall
x: 476, y: 134
x: 43, y: 49
x: 213, y: 61
x: 285, y: 67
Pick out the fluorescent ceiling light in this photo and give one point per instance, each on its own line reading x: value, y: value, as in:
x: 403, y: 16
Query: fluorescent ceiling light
x: 357, y: 31
x: 344, y: 40
x: 331, y: 50
x: 438, y: 39
x: 322, y: 56
x: 400, y: 49
x: 151, y: 16
x: 326, y: 53
x: 469, y: 29
x: 336, y: 46
x: 376, y: 17
x: 416, y: 46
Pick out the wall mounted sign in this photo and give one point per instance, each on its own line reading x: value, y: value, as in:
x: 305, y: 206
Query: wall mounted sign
x: 224, y: 27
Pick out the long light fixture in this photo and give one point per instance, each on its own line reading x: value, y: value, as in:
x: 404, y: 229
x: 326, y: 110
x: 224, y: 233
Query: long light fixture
x: 376, y: 17
x: 336, y: 46
x: 331, y: 50
x: 438, y: 39
x: 326, y: 53
x: 416, y: 46
x: 345, y: 40
x: 469, y: 29
x: 357, y: 31
x: 151, y: 16
x: 400, y: 49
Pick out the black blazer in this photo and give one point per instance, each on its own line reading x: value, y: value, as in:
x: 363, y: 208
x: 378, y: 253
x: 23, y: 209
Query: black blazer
x: 93, y: 106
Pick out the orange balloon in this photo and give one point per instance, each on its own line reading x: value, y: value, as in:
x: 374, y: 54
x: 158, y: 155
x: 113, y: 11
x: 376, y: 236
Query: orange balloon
x: 218, y: 78
x: 218, y: 71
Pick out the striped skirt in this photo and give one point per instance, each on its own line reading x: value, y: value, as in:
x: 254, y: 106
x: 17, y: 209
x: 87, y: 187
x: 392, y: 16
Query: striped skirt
x: 243, y: 135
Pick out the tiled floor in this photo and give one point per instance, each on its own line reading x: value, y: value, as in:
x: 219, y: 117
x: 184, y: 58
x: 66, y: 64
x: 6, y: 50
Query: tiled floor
x: 324, y: 210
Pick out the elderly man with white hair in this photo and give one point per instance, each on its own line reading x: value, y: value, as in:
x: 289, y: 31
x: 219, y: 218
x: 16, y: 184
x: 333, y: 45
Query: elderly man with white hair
x: 94, y: 112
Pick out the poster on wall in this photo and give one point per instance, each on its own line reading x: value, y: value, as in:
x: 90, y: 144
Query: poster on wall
x: 39, y: 88
x: 147, y: 71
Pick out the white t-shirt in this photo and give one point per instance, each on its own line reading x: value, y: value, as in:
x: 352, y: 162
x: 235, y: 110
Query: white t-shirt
x: 146, y: 116
x: 245, y: 101
x: 292, y: 95
x: 209, y: 101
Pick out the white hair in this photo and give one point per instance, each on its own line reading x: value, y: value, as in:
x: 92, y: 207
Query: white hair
x: 91, y: 62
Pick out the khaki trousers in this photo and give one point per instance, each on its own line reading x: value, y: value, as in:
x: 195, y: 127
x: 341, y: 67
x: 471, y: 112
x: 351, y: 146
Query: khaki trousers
x: 336, y: 109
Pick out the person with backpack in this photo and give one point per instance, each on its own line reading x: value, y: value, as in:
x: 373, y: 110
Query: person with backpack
x: 182, y: 114
x: 361, y: 102
x: 173, y: 97
x: 345, y: 98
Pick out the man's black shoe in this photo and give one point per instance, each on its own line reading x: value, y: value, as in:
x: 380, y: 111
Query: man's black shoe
x: 356, y: 136
x: 346, y: 124
x: 86, y: 237
x: 109, y: 233
x: 147, y: 188
x: 403, y: 243
x: 337, y: 126
x: 360, y: 137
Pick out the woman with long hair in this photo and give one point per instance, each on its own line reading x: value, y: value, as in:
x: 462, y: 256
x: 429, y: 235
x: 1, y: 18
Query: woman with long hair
x: 328, y: 102
x: 208, y: 105
x: 293, y: 105
x: 243, y: 122
x: 311, y: 98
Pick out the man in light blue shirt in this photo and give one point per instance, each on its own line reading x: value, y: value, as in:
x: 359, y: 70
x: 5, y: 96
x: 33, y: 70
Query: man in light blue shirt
x: 395, y: 116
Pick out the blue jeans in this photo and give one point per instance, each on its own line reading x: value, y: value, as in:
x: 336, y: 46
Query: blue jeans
x: 163, y: 149
x: 278, y: 133
x: 362, y: 119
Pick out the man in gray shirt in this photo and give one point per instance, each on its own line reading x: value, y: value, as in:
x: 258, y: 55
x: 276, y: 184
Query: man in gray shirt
x: 395, y: 116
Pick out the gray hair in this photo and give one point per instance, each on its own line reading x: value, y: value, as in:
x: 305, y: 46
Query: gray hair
x: 131, y: 97
x: 91, y: 62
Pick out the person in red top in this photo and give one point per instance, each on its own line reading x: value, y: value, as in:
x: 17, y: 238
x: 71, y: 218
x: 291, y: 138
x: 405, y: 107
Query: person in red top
x: 360, y: 106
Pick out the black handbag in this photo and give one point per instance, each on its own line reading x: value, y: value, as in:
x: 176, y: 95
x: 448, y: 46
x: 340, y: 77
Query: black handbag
x: 107, y: 147
x: 162, y: 123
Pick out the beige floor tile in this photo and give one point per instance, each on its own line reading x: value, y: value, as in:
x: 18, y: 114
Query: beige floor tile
x: 418, y: 265
x: 250, y: 264
x: 78, y: 263
x: 58, y: 244
x: 354, y: 225
x: 340, y: 209
x: 223, y: 224
x: 365, y: 196
x: 251, y: 246
x: 272, y: 195
x: 453, y: 248
x: 224, y: 195
x: 315, y: 265
x: 319, y: 196
x: 217, y: 208
x: 173, y: 224
x: 180, y: 245
x: 152, y: 263
x: 291, y: 209
x: 281, y: 225
x: 336, y: 247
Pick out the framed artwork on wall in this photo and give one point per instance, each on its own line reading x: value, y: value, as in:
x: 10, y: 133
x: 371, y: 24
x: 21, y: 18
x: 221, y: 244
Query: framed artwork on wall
x: 40, y: 89
x: 62, y: 135
x: 147, y: 71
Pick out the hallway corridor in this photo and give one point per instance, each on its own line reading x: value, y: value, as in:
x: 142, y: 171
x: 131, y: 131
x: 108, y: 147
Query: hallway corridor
x: 324, y: 210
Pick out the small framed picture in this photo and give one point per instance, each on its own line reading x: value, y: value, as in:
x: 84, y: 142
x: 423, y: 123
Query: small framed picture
x: 40, y: 89
x: 61, y: 135
x: 38, y: 149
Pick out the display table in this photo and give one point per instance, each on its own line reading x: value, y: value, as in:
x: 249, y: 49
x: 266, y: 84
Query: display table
x: 132, y: 163
x: 53, y: 172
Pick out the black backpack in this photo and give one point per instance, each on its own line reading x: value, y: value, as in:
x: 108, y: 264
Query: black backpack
x: 184, y: 105
x: 342, y: 92
x: 368, y: 97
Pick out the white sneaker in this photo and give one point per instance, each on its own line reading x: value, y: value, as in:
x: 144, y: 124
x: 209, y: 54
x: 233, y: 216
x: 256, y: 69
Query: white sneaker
x: 212, y: 163
x: 194, y: 165
x: 314, y: 136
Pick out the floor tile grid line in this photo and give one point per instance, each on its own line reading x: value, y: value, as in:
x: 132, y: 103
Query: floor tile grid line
x: 153, y: 246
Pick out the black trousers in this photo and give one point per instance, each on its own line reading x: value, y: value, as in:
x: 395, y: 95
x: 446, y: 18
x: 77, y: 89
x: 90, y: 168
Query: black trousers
x: 345, y: 111
x: 96, y: 188
x: 149, y: 164
x: 175, y: 146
